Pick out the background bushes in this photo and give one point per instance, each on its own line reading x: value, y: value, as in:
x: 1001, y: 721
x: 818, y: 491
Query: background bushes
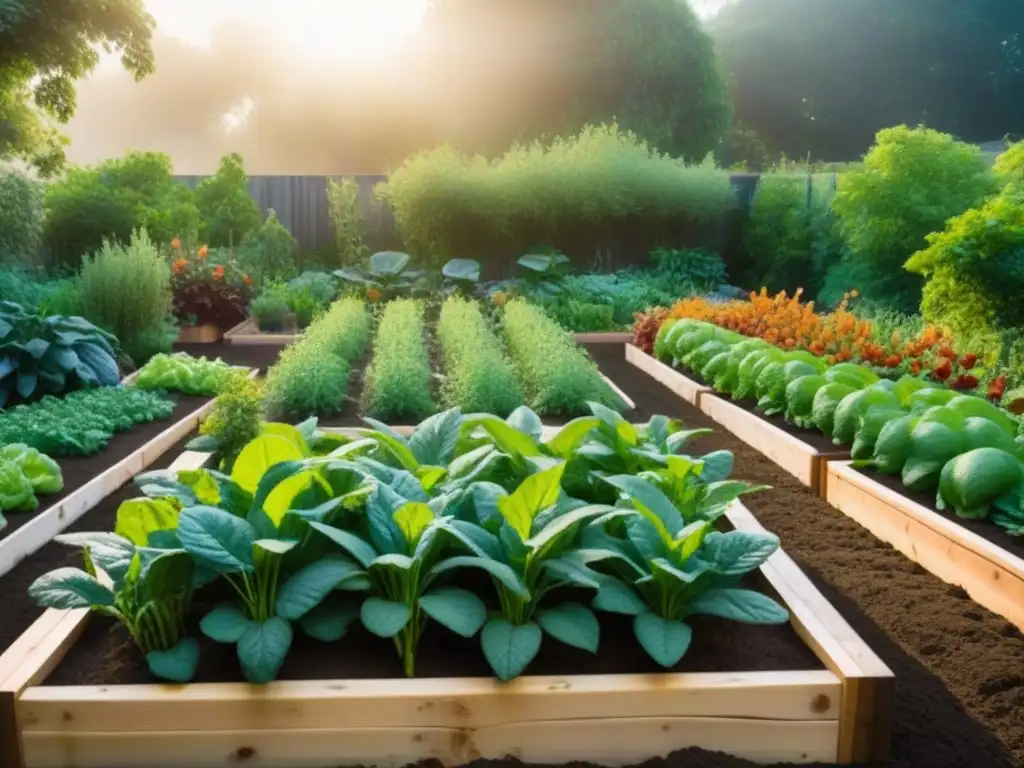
x: 21, y: 217
x: 228, y: 211
x: 601, y: 192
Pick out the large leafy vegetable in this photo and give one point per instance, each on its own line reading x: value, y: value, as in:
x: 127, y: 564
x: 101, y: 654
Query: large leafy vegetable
x: 147, y: 589
x: 851, y: 409
x: 800, y: 393
x: 81, y: 423
x: 25, y: 473
x: 186, y: 374
x: 973, y: 482
x: 51, y: 355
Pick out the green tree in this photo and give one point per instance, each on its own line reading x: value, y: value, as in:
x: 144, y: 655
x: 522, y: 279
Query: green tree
x: 228, y: 211
x: 506, y: 70
x: 45, y: 46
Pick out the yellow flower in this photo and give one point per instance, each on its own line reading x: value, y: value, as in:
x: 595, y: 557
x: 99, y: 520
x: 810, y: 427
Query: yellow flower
x: 500, y: 298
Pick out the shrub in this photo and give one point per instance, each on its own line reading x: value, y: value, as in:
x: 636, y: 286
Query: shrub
x: 39, y: 293
x: 398, y: 379
x: 913, y: 181
x: 790, y: 239
x: 571, y: 193
x: 581, y: 316
x: 704, y: 269
x: 556, y: 375
x: 268, y: 253
x: 480, y: 377
x: 975, y: 267
x: 235, y: 420
x: 207, y: 292
x: 226, y: 208
x: 21, y: 217
x: 271, y: 309
x: 348, y: 221
x: 127, y: 290
x: 1010, y: 164
x: 111, y: 200
x: 311, y: 377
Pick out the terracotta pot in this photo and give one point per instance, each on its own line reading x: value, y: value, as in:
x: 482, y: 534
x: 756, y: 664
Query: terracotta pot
x: 200, y: 334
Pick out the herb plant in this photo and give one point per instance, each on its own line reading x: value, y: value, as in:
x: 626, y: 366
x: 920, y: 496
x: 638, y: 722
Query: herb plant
x: 234, y: 422
x: 480, y: 378
x: 557, y: 375
x: 398, y: 379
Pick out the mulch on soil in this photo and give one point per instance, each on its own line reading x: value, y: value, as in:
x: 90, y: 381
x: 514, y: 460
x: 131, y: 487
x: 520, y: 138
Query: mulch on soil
x: 987, y: 530
x: 79, y: 470
x: 18, y: 610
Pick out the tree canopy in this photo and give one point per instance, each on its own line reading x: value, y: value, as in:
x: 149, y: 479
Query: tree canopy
x: 822, y: 76
x: 45, y: 46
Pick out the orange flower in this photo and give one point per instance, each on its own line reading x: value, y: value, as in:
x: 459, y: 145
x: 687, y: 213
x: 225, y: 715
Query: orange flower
x: 854, y: 293
x: 915, y: 367
x: 203, y: 252
x: 373, y: 295
x: 179, y: 266
x: 246, y: 279
x: 892, y: 361
x: 501, y: 298
x: 218, y: 273
x: 176, y: 244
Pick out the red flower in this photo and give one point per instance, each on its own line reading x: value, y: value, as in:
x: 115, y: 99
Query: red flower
x: 997, y: 388
x: 218, y: 273
x: 203, y: 253
x: 943, y: 370
x: 948, y: 353
x: 964, y: 382
x: 968, y: 361
x: 176, y: 244
x: 915, y: 367
x: 246, y: 279
x: 892, y: 361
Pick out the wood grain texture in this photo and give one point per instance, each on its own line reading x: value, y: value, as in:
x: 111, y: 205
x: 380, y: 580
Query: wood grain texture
x: 686, y: 388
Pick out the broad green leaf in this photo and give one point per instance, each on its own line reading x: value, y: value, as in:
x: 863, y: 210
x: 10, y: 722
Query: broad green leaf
x: 720, y: 494
x: 718, y: 465
x: 509, y: 649
x: 509, y: 439
x: 394, y: 560
x: 380, y: 511
x: 612, y: 419
x: 259, y: 456
x: 535, y: 493
x: 614, y: 596
x: 571, y: 623
x: 397, y: 449
x: 384, y: 618
x: 412, y: 519
x: 665, y: 641
x: 359, y: 549
x: 138, y: 518
x: 306, y: 588
x: 167, y: 576
x: 434, y: 440
x: 526, y: 421
x: 689, y: 539
x: 571, y: 435
x: 109, y: 552
x: 671, y: 578
x: 67, y: 588
x: 380, y: 426
x: 262, y: 649
x: 500, y: 571
x: 327, y: 622
x: 282, y: 498
x: 737, y: 552
x: 177, y: 664
x: 675, y: 441
x: 649, y: 501
x: 225, y: 624
x: 217, y: 538
x: 214, y: 489
x: 478, y: 540
x: 740, y: 605
x: 460, y: 611
x: 485, y: 499
x: 276, y: 546
x: 549, y: 533
x: 429, y: 477
x: 570, y: 571
x: 293, y: 434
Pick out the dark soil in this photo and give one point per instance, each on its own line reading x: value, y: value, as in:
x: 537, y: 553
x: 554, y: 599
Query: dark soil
x: 260, y: 356
x: 18, y: 610
x: 812, y: 437
x: 79, y: 470
x: 959, y: 668
x: 987, y: 530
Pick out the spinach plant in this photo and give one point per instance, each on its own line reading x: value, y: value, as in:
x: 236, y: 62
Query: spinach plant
x: 148, y: 590
x: 660, y: 568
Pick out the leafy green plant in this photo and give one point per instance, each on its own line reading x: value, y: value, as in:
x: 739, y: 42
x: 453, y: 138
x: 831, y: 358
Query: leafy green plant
x: 666, y: 567
x: 311, y: 376
x: 228, y: 211
x: 348, y: 221
x: 80, y: 423
x: 319, y: 285
x: 21, y: 218
x: 387, y: 273
x: 461, y: 276
x: 480, y: 378
x: 268, y: 253
x: 24, y: 474
x: 234, y: 422
x: 1010, y: 164
x: 557, y: 376
x: 183, y: 373
x: 271, y: 309
x: 126, y: 289
x: 704, y: 269
x: 148, y: 590
x: 48, y: 356
x: 38, y: 293
x: 913, y: 181
x: 398, y: 379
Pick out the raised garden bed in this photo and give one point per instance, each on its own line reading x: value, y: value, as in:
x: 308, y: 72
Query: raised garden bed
x: 973, y: 555
x: 200, y: 334
x: 688, y: 389
x: 248, y: 332
x: 839, y: 713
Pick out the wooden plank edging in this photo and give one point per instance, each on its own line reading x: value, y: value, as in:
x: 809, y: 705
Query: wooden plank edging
x: 247, y: 333
x: 683, y: 386
x: 607, y: 337
x: 992, y: 576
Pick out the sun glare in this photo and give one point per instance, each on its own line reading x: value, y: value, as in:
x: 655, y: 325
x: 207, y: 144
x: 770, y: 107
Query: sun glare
x: 336, y: 29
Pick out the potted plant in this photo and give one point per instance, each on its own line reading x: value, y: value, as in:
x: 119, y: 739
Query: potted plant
x: 208, y: 297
